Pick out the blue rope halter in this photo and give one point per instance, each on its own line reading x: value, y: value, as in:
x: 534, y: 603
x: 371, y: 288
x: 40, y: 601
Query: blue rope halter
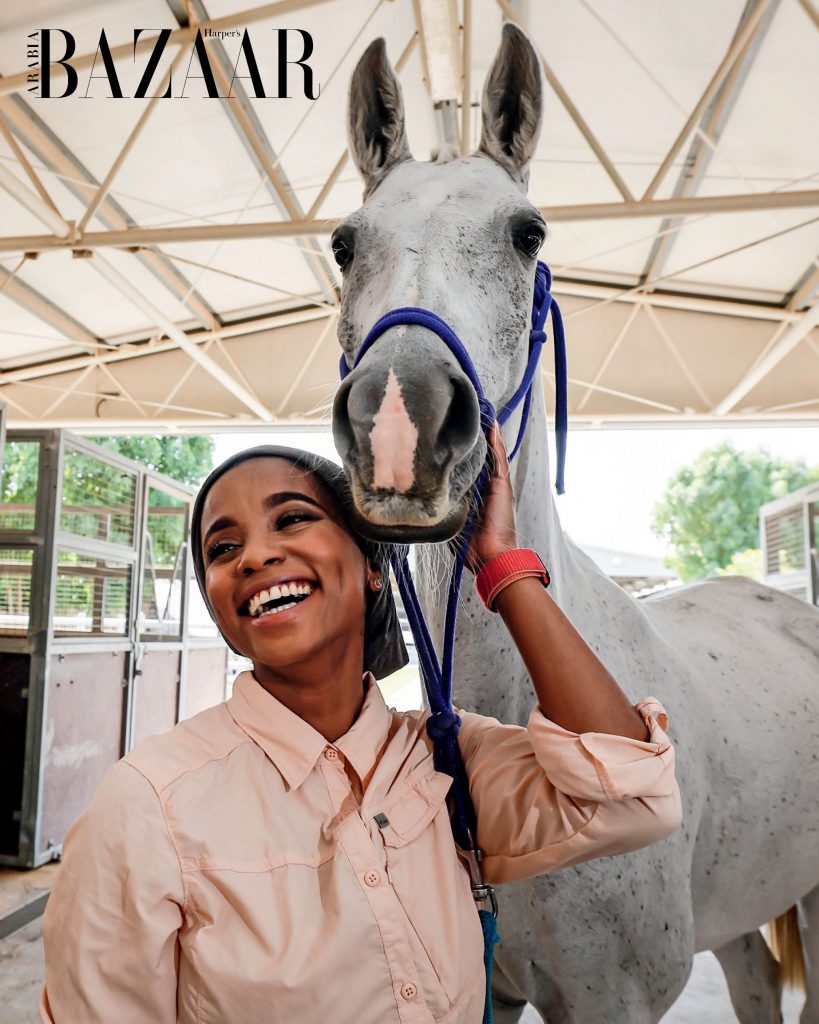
x: 443, y: 723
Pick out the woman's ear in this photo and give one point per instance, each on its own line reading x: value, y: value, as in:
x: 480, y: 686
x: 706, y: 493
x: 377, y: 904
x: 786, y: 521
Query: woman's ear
x: 375, y: 580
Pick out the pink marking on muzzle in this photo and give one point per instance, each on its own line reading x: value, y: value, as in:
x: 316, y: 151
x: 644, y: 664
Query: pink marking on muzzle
x: 393, y: 441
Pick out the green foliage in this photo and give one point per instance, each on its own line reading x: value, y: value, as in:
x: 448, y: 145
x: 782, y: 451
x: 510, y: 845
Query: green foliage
x: 744, y: 563
x: 20, y: 471
x: 98, y: 501
x: 186, y: 458
x: 710, y: 509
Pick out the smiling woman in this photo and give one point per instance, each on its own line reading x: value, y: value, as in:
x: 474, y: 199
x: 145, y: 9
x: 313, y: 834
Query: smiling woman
x: 287, y: 581
x: 288, y: 855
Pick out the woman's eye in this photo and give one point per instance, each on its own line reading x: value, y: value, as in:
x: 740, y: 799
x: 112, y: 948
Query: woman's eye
x: 530, y: 239
x: 296, y: 516
x: 342, y: 251
x: 221, y: 547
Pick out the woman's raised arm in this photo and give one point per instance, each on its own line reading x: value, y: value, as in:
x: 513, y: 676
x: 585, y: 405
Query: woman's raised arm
x: 573, y: 687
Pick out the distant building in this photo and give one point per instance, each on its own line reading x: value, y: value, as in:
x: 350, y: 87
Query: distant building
x: 637, y: 574
x: 789, y: 538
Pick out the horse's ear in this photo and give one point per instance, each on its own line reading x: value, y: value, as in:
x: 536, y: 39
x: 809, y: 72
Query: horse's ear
x: 377, y: 137
x: 512, y: 104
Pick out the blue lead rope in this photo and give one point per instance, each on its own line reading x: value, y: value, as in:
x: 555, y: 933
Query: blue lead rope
x: 444, y: 723
x: 490, y: 937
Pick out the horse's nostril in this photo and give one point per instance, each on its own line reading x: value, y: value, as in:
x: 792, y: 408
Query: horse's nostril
x: 461, y: 424
x: 343, y: 434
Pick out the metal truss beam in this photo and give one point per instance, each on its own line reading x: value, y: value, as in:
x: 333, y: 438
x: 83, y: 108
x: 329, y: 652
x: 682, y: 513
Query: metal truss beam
x: 783, y: 341
x: 689, y: 206
x: 679, y: 358
x: 45, y: 310
x: 803, y: 291
x: 126, y: 352
x: 136, y: 131
x: 203, y: 423
x: 34, y: 203
x: 574, y: 113
x: 711, y: 127
x: 782, y: 344
x: 51, y: 152
x: 615, y: 345
x: 251, y: 133
x: 810, y: 10
x: 24, y: 162
x: 127, y: 289
x: 466, y: 64
x: 673, y: 300
x: 344, y: 158
x: 738, y: 44
x: 436, y: 22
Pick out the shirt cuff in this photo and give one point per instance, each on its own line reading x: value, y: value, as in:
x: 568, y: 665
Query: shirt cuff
x: 601, y: 766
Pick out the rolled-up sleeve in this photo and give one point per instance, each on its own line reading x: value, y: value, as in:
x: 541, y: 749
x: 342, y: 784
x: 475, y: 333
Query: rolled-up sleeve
x: 547, y: 798
x: 111, y: 921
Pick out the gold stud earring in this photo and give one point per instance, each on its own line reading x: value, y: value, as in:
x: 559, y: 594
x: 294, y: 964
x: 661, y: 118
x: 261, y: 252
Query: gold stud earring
x: 377, y: 583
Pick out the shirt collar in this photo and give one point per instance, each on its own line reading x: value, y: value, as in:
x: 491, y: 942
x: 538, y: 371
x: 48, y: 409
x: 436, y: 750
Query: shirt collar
x: 292, y: 744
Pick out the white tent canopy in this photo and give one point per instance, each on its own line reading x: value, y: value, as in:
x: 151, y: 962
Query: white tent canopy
x: 165, y: 264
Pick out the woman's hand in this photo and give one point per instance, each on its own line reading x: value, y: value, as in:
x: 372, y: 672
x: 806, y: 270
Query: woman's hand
x: 495, y: 528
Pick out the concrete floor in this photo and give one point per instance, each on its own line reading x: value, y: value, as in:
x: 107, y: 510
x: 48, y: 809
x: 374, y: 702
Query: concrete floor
x: 21, y: 974
x: 18, y: 887
x: 704, y: 1001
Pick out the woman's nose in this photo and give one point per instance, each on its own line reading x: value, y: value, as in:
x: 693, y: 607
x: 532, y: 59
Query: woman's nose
x: 259, y: 552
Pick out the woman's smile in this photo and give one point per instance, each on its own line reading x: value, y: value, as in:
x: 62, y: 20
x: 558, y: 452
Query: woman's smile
x: 285, y: 578
x: 276, y: 596
x: 286, y: 607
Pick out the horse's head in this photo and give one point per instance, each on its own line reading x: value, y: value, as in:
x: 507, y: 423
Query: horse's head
x: 454, y: 236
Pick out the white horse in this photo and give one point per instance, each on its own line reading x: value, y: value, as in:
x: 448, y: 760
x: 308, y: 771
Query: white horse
x: 736, y: 663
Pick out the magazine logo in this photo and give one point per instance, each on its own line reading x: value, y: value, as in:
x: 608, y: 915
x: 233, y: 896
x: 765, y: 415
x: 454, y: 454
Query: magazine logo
x: 52, y: 75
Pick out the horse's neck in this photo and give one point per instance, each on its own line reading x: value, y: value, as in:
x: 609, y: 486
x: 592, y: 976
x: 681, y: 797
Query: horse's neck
x: 489, y: 678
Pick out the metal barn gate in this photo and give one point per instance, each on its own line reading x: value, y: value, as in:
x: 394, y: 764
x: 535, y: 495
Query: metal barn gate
x: 103, y: 639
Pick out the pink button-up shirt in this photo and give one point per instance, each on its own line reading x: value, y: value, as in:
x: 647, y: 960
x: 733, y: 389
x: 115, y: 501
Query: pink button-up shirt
x: 240, y: 869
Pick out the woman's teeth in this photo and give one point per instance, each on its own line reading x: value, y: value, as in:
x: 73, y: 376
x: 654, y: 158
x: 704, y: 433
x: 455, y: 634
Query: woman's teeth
x: 277, y: 609
x: 256, y: 605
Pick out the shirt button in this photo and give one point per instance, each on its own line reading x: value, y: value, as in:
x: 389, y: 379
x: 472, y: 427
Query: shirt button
x: 409, y: 990
x: 330, y: 754
x: 372, y: 878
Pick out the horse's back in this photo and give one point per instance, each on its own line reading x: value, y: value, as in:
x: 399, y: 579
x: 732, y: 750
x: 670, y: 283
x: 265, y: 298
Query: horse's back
x: 753, y: 699
x: 753, y: 659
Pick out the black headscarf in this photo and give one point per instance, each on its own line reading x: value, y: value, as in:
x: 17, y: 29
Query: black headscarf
x: 384, y: 650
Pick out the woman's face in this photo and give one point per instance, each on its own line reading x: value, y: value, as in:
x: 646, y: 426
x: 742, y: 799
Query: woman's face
x: 267, y: 526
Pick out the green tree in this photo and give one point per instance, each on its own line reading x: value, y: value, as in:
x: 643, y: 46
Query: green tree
x: 186, y: 458
x: 97, y: 500
x: 20, y: 469
x: 744, y: 563
x: 710, y: 509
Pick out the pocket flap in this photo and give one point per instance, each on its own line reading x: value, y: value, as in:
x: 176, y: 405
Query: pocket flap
x: 409, y: 813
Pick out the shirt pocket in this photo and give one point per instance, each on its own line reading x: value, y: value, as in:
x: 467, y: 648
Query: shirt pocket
x: 433, y: 888
x: 414, y: 809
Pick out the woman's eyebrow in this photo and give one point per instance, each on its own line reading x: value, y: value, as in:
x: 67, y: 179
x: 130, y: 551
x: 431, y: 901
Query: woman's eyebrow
x: 218, y: 524
x: 280, y: 497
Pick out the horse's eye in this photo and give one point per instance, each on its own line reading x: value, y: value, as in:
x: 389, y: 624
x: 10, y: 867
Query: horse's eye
x: 529, y: 239
x: 342, y: 251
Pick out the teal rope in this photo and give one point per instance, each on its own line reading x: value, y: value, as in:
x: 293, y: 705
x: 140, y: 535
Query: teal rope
x: 490, y: 937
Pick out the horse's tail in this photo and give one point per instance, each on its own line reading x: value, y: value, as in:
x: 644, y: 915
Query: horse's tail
x: 786, y: 945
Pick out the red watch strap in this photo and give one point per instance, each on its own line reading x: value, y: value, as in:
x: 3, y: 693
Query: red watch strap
x: 504, y: 569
